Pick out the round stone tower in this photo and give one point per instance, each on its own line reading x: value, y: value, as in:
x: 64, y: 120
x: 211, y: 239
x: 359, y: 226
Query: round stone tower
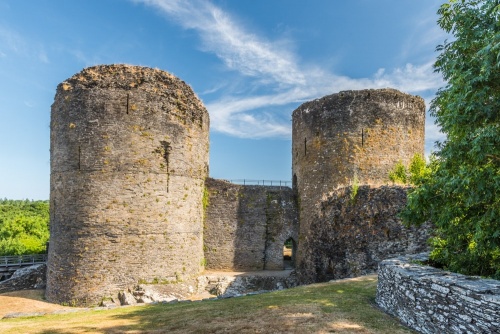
x: 129, y: 156
x: 352, y: 137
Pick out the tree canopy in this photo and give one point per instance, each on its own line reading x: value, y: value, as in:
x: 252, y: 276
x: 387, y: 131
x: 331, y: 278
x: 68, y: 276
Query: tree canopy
x: 461, y: 196
x: 24, y: 227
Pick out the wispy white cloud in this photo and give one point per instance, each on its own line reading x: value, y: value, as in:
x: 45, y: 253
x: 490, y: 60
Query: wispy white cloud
x: 11, y: 40
x: 213, y: 89
x: 272, y: 65
x: 42, y: 56
x: 84, y: 58
x: 15, y: 43
x: 240, y: 50
x: 411, y: 78
x: 226, y: 113
x: 425, y: 34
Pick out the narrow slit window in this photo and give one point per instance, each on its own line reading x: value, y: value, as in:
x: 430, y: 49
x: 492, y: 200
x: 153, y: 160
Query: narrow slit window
x: 128, y: 102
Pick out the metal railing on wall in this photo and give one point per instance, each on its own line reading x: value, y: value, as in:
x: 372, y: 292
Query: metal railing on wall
x: 14, y: 260
x: 248, y: 182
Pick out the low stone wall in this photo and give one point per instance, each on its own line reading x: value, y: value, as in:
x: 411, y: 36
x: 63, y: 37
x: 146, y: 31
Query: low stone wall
x: 430, y: 300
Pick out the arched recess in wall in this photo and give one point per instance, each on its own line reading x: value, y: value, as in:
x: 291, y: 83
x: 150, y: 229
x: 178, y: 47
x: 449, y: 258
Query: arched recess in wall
x: 289, y: 252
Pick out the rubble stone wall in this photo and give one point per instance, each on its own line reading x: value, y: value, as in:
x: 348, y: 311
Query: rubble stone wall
x: 430, y: 300
x: 33, y: 277
x: 351, y: 233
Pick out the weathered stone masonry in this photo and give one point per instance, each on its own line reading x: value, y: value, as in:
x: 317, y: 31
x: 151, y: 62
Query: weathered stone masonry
x: 247, y: 226
x: 435, y: 301
x: 352, y: 137
x: 129, y: 158
x: 351, y: 234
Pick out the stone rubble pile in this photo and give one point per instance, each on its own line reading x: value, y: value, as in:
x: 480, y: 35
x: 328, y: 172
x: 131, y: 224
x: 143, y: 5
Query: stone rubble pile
x: 141, y: 294
x: 32, y: 277
x: 235, y: 286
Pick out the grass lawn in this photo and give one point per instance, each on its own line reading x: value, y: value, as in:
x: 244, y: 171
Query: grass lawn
x: 340, y: 307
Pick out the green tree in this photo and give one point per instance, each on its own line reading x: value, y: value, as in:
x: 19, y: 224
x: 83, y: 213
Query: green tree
x: 24, y: 227
x: 461, y: 196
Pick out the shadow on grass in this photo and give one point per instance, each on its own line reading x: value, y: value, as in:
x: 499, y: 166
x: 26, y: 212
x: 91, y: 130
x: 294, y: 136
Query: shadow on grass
x: 341, y: 307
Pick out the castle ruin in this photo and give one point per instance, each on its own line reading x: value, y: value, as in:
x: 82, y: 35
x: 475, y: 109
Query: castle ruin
x: 129, y: 159
x: 131, y: 200
x: 345, y: 139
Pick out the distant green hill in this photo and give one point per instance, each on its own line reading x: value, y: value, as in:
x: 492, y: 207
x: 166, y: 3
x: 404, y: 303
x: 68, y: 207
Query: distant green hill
x: 24, y: 226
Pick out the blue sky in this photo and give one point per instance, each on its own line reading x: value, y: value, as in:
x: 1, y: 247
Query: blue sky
x: 252, y: 62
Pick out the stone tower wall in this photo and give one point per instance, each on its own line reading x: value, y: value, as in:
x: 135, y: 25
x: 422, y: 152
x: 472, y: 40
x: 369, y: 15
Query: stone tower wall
x: 351, y: 137
x: 129, y: 157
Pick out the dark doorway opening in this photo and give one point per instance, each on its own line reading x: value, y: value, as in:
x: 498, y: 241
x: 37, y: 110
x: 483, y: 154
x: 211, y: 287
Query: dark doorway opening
x: 289, y: 251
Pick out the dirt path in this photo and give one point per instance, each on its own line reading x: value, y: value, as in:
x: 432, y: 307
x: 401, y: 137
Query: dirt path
x: 26, y: 301
x: 32, y: 301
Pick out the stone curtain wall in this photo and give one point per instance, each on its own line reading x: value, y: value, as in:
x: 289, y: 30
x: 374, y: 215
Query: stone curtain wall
x: 430, y: 300
x: 247, y: 226
x: 129, y: 157
x: 351, y: 137
x: 350, y: 235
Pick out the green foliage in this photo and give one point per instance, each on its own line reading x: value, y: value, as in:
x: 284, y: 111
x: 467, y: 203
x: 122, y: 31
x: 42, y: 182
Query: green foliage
x: 418, y: 169
x: 461, y: 193
x: 355, y: 188
x: 415, y: 174
x: 399, y: 173
x: 206, y: 198
x: 24, y: 227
